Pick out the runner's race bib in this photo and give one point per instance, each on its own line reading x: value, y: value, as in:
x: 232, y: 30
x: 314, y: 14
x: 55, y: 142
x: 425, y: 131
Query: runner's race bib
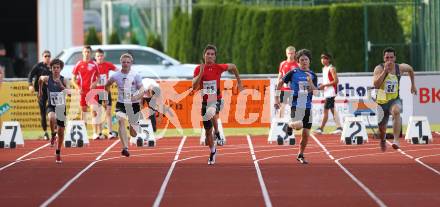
x: 302, y: 86
x: 127, y: 96
x: 102, y: 80
x: 390, y: 86
x: 57, y: 98
x: 210, y: 87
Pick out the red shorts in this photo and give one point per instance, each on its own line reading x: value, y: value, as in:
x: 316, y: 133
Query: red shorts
x: 88, y: 99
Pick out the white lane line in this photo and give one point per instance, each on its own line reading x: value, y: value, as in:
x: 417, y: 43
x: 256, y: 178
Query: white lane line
x: 163, y: 187
x: 62, y: 189
x: 25, y: 155
x: 401, y: 151
x: 427, y: 166
x: 418, y: 160
x: 357, y: 181
x: 259, y: 174
x: 324, y: 148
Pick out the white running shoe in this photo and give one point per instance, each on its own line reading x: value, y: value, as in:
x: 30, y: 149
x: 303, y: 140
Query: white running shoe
x: 318, y: 131
x: 337, y: 131
x: 211, y: 159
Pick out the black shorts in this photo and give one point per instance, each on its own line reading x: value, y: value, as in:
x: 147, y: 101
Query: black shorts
x: 207, y: 121
x: 60, y: 115
x: 286, y: 97
x: 386, y: 108
x: 302, y: 114
x: 109, y: 99
x: 132, y: 110
x: 329, y: 103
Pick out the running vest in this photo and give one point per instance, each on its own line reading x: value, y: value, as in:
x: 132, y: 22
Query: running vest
x: 389, y: 89
x: 56, y: 94
x: 327, y: 77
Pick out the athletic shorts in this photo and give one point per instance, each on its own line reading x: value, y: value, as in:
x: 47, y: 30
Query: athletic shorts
x: 329, y: 103
x: 302, y: 114
x: 60, y: 121
x: 133, y: 117
x: 286, y: 96
x: 83, y: 102
x: 386, y: 108
x: 207, y: 124
x: 108, y: 101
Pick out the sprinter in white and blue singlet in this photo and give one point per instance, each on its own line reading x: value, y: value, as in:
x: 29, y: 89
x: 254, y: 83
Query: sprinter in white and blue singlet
x: 302, y: 82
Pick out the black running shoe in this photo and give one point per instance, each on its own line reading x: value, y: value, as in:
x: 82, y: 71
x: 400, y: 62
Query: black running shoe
x: 301, y: 159
x: 125, y: 152
x: 288, y: 130
x: 211, y: 159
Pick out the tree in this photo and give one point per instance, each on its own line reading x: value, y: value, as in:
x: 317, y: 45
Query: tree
x: 114, y: 38
x: 92, y: 37
x: 155, y: 42
x: 133, y: 38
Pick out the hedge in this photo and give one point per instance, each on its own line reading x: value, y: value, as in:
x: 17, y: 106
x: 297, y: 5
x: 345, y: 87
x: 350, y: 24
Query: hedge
x: 255, y: 38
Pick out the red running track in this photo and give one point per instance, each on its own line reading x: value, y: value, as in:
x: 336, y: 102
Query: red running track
x: 248, y: 172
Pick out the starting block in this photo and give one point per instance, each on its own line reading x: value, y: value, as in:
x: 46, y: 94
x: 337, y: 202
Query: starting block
x: 220, y: 142
x: 279, y: 132
x: 11, y: 135
x: 146, y: 137
x: 418, y: 130
x: 76, y: 134
x: 354, y: 131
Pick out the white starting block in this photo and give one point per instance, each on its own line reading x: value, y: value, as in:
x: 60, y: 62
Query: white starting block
x: 146, y: 137
x: 11, y: 135
x: 220, y: 142
x: 76, y: 134
x: 354, y: 131
x: 278, y: 132
x: 418, y: 130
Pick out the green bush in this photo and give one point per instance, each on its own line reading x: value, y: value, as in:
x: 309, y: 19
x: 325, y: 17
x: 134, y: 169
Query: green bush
x: 133, y: 39
x: 255, y: 38
x: 92, y: 37
x: 155, y: 42
x: 114, y: 38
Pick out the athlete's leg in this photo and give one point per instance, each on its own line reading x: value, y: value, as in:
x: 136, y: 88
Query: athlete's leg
x: 43, y: 113
x: 395, y: 112
x: 122, y: 132
x: 336, y: 117
x: 304, y: 140
x: 324, y: 119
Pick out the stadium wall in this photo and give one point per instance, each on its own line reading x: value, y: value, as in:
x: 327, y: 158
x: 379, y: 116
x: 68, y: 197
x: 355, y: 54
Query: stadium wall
x: 251, y: 108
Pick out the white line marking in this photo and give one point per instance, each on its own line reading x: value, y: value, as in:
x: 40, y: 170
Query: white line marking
x: 170, y: 172
x: 259, y: 174
x: 20, y: 158
x: 357, y: 181
x: 324, y: 148
x: 418, y: 160
x: 427, y: 166
x: 401, y: 151
x: 62, y: 189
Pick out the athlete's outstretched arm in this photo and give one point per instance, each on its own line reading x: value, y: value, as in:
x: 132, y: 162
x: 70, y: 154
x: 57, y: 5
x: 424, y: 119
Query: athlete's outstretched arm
x: 233, y: 69
x: 196, y: 80
x: 41, y: 81
x: 405, y: 68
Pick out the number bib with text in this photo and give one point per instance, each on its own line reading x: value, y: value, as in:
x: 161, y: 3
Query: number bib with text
x: 210, y: 87
x: 57, y: 98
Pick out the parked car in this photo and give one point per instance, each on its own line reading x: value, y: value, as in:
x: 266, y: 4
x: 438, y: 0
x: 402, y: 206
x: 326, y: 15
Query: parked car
x: 148, y: 62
